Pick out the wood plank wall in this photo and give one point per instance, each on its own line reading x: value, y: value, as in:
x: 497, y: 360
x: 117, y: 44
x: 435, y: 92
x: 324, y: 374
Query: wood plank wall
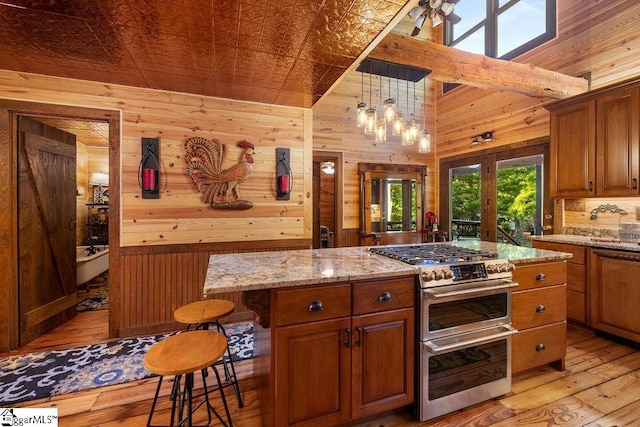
x: 84, y: 192
x: 334, y: 129
x: 600, y: 38
x: 179, y: 216
x: 155, y: 281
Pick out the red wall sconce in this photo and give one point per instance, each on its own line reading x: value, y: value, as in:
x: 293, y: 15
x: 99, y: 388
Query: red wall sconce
x: 284, y: 178
x: 149, y: 169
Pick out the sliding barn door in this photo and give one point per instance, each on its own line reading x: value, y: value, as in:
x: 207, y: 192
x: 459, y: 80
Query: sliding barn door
x: 46, y: 236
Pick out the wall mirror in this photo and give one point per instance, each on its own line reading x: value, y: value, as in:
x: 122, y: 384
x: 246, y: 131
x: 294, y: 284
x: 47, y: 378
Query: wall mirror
x: 391, y: 198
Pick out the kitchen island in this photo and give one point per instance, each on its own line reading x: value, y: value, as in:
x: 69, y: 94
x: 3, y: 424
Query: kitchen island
x: 337, y: 337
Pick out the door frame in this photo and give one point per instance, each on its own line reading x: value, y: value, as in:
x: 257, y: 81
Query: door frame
x: 487, y: 158
x: 318, y: 155
x: 10, y: 110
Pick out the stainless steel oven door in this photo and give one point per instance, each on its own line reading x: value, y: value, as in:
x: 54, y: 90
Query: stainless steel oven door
x: 459, y: 308
x: 461, y: 370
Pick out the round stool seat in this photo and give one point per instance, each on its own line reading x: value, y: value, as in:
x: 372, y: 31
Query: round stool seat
x: 185, y: 352
x: 204, y: 311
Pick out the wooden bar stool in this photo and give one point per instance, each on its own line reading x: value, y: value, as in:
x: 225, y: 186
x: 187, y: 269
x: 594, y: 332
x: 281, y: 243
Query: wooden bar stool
x: 182, y: 355
x: 199, y: 315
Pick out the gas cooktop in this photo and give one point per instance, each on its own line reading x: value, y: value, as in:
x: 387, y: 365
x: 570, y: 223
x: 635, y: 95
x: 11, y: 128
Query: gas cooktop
x: 432, y: 254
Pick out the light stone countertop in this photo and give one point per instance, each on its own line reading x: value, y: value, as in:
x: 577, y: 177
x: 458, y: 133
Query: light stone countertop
x: 595, y: 242
x: 279, y: 269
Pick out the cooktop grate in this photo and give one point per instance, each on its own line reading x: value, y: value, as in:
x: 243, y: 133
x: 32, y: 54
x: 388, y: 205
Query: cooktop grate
x: 433, y: 254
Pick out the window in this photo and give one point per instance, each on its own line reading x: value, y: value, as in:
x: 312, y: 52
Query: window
x: 497, y: 195
x: 501, y: 28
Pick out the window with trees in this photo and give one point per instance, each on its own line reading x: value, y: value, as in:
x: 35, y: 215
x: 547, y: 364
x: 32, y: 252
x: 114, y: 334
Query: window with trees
x: 497, y: 195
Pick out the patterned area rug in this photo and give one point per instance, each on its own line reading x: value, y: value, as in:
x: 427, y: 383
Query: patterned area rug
x: 37, y: 375
x: 94, y: 297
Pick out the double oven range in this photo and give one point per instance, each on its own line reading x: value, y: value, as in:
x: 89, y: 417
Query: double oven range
x: 463, y: 325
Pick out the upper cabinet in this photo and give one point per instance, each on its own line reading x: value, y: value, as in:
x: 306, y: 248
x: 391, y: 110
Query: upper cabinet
x: 595, y: 139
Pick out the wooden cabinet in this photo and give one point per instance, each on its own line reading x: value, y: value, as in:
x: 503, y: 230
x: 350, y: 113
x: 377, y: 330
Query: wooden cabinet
x: 342, y: 352
x: 595, y: 140
x: 577, y: 295
x: 539, y: 315
x: 615, y: 292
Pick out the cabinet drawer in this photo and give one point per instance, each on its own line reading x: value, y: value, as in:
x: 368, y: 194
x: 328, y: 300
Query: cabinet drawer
x: 539, y: 275
x: 312, y: 304
x: 371, y: 297
x: 578, y: 252
x: 539, y: 346
x: 538, y: 307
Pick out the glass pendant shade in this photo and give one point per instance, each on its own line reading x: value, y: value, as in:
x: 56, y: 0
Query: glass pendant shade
x: 370, y: 126
x: 414, y: 130
x: 361, y: 115
x: 424, y: 144
x: 390, y: 110
x: 381, y: 130
x: 398, y: 124
x: 406, y: 136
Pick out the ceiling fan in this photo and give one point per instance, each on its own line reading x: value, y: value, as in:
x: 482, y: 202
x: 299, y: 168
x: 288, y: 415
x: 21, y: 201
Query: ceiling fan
x: 435, y: 10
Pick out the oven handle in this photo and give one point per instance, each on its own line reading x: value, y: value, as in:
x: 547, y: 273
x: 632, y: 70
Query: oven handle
x: 437, y: 349
x: 499, y: 284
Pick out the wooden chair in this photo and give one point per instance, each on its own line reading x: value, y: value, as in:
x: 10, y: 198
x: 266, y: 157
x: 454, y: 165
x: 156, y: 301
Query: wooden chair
x: 182, y: 355
x: 201, y: 314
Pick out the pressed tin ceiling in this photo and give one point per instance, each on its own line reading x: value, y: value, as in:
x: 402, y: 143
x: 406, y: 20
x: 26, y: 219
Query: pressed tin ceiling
x: 287, y: 52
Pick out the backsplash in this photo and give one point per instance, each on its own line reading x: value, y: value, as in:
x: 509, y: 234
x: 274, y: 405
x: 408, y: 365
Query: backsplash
x: 590, y: 231
x: 578, y: 222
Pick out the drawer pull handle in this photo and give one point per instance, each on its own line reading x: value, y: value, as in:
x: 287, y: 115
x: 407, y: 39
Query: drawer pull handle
x: 541, y: 308
x: 359, y: 339
x: 385, y: 297
x: 316, y: 306
x: 540, y: 347
x: 347, y: 341
x: 540, y: 276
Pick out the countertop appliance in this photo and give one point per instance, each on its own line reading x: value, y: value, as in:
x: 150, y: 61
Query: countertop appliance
x: 463, y: 325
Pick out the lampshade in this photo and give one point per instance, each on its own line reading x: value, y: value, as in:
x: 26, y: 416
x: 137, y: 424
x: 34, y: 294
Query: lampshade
x: 328, y: 168
x: 98, y: 178
x: 424, y: 144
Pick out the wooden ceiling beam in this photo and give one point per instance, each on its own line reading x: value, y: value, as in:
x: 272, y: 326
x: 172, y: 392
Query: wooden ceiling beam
x: 452, y: 65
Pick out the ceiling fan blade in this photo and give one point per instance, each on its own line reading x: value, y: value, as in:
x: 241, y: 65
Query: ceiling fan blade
x: 453, y: 18
x: 415, y: 31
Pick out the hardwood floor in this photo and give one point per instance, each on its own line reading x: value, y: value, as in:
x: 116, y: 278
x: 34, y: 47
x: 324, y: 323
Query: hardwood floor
x: 601, y: 387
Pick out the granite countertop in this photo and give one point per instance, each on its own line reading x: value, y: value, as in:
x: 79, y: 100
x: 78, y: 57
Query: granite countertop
x: 278, y: 269
x: 595, y: 242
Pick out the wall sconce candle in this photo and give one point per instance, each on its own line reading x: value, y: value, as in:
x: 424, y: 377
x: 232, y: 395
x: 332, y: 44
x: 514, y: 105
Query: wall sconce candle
x: 284, y: 179
x: 149, y: 169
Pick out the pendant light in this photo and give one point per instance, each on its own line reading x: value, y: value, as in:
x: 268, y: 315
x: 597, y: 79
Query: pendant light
x: 424, y: 142
x: 381, y: 124
x: 398, y: 122
x: 407, y: 139
x: 415, y: 128
x: 361, y: 111
x: 372, y: 116
x: 389, y: 103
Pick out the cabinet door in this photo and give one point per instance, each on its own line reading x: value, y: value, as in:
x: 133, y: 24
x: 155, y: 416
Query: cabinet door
x: 617, y: 147
x: 383, y: 355
x: 573, y: 150
x: 615, y: 294
x: 313, y: 373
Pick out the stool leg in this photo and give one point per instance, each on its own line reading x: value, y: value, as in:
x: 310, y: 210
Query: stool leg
x: 224, y: 400
x: 155, y: 400
x: 231, y: 377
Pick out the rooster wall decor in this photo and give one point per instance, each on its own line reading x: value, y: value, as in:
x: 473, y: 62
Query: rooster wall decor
x: 205, y: 165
